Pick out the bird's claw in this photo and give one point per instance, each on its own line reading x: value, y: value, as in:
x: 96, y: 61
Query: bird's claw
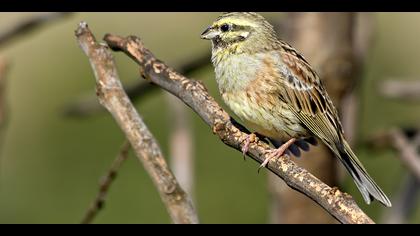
x: 248, y: 140
x: 276, y: 153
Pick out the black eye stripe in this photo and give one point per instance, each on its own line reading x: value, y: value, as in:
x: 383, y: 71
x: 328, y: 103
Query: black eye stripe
x: 238, y: 27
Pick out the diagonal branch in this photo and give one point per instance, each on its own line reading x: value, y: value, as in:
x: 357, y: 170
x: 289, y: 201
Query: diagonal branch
x: 105, y: 183
x: 194, y: 94
x: 112, y: 96
x: 404, y: 204
x: 408, y: 153
x: 29, y: 25
x: 406, y: 142
x: 89, y: 106
x: 398, y: 139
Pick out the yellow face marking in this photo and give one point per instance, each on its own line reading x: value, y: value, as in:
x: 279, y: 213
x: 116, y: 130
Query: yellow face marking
x: 234, y: 21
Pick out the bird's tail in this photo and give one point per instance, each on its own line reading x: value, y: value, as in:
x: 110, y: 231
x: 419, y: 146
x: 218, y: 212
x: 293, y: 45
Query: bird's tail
x: 368, y: 188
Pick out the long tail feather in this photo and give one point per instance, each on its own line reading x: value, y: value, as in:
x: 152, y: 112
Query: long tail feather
x: 368, y: 188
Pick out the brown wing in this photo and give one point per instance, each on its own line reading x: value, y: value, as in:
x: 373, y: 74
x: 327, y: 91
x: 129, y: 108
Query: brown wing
x: 302, y: 89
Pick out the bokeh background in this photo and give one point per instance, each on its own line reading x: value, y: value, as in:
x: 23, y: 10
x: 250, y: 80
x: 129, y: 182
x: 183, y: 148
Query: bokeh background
x: 50, y: 164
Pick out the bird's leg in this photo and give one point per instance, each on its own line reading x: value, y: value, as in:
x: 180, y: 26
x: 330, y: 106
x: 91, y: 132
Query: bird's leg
x: 252, y: 137
x: 249, y: 138
x: 277, y: 153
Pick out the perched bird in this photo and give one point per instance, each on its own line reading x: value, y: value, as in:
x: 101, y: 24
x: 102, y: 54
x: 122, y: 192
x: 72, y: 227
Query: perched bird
x: 277, y: 94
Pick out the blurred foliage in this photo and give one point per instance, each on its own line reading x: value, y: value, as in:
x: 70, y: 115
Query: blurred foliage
x: 50, y: 165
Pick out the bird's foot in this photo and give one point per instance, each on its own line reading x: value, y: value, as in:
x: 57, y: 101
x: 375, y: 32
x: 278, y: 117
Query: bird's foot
x: 276, y: 153
x: 248, y: 140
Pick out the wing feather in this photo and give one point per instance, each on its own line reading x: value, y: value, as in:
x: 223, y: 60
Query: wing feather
x: 306, y: 96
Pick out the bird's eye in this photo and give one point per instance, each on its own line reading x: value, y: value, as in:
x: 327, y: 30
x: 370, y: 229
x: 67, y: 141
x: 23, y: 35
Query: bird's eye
x: 224, y: 27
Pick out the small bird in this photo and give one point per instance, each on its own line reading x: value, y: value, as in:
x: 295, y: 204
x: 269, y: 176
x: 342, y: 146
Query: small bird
x: 273, y: 89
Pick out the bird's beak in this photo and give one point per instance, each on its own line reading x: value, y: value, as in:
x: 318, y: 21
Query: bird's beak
x: 209, y: 33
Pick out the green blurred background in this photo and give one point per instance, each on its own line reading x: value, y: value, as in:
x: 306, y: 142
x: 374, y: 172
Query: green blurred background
x: 50, y: 165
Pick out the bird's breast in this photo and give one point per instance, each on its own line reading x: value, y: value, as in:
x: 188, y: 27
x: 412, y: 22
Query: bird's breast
x: 251, y: 93
x: 235, y: 72
x: 265, y: 115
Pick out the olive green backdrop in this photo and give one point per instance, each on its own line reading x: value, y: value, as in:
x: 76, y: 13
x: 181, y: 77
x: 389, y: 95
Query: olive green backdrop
x: 50, y: 165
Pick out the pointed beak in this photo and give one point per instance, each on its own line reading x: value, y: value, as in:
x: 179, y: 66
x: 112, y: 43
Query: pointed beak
x: 209, y: 33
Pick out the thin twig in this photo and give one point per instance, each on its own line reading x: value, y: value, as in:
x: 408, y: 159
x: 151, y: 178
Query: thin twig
x: 194, y: 94
x: 404, y: 203
x: 88, y: 105
x: 28, y: 25
x: 407, y: 90
x: 398, y: 140
x: 406, y: 198
x: 105, y: 184
x: 408, y: 153
x: 112, y: 96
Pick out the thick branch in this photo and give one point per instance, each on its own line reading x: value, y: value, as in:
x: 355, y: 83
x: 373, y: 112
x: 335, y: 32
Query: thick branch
x: 194, y: 94
x: 105, y: 183
x: 112, y: 96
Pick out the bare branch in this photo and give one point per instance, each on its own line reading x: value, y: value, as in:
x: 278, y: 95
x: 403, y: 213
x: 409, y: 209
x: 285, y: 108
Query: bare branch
x: 404, y: 203
x: 112, y: 96
x: 407, y: 90
x: 408, y: 154
x: 194, y: 94
x: 29, y: 25
x: 181, y: 144
x: 396, y: 139
x: 105, y: 184
x: 407, y: 143
x: 89, y: 106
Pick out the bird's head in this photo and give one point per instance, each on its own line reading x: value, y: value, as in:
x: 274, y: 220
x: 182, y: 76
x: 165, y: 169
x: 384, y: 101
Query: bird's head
x: 239, y: 31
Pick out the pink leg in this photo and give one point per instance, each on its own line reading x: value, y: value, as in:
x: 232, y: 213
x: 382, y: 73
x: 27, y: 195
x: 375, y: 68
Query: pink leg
x: 277, y: 153
x: 249, y: 138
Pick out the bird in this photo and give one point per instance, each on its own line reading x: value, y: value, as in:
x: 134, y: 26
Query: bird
x: 274, y: 90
